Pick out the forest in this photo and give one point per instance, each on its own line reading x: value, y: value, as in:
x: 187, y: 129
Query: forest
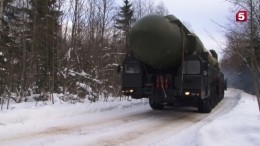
x: 56, y: 46
x: 242, y: 48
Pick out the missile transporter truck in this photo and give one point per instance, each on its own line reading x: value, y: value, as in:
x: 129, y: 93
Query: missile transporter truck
x: 169, y: 65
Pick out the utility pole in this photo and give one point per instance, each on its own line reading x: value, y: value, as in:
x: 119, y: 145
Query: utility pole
x: 1, y: 13
x: 253, y: 64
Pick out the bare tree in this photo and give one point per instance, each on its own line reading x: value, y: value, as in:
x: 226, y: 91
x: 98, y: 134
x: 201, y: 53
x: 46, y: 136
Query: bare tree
x: 254, y: 62
x: 1, y: 13
x: 161, y: 9
x: 146, y: 7
x: 244, y: 42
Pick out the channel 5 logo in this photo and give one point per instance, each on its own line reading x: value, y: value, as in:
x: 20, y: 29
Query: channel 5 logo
x: 241, y: 16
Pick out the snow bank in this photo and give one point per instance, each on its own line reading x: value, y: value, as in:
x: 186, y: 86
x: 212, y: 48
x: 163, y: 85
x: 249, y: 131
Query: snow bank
x: 239, y: 127
x: 25, y: 118
x: 27, y: 110
x: 234, y: 122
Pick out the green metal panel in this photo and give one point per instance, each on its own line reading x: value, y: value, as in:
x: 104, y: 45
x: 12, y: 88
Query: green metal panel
x: 156, y: 41
x: 159, y: 41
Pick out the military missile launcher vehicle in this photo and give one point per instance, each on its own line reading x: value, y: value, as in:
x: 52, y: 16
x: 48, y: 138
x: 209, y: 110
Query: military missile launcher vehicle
x: 169, y: 65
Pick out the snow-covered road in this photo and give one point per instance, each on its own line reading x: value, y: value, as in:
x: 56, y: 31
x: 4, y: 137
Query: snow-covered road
x: 114, y: 123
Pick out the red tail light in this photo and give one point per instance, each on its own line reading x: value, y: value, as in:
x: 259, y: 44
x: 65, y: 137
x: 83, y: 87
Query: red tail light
x: 157, y: 82
x: 162, y: 81
x: 166, y: 83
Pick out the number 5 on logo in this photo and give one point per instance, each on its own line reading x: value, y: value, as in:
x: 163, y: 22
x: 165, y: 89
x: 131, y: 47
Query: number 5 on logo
x: 241, y: 16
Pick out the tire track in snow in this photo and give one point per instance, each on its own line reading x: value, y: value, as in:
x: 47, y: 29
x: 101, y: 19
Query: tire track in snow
x: 189, y: 135
x: 167, y: 124
x: 138, y: 125
x: 92, y: 125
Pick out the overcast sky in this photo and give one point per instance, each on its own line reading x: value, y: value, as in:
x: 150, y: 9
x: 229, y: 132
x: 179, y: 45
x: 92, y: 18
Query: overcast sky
x: 199, y: 15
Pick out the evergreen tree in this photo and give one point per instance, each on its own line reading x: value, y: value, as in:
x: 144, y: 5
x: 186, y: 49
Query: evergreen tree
x: 10, y: 44
x: 125, y: 19
x: 44, y: 31
x: 2, y: 72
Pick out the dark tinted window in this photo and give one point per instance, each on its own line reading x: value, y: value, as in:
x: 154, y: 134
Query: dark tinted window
x: 191, y: 67
x: 132, y: 67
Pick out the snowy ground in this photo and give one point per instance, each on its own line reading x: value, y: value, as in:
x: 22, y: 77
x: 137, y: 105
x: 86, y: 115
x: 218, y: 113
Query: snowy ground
x: 233, y: 122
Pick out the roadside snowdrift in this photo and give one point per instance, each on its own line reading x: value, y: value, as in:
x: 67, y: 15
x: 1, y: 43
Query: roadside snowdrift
x: 239, y: 127
x: 234, y: 122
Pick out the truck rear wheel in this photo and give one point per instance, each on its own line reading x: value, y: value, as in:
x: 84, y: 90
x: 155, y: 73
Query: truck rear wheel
x: 205, y: 105
x: 155, y: 105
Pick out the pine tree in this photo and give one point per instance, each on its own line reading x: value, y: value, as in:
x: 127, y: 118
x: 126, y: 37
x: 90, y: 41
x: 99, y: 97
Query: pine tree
x: 9, y: 43
x: 2, y: 72
x: 7, y: 16
x: 44, y: 31
x: 1, y: 13
x: 125, y: 19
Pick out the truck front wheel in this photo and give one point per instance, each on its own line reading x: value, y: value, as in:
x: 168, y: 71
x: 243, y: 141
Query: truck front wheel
x: 155, y: 105
x: 204, y: 105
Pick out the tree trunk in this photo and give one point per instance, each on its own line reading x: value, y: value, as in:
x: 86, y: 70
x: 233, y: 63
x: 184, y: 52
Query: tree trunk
x: 253, y: 57
x: 1, y: 13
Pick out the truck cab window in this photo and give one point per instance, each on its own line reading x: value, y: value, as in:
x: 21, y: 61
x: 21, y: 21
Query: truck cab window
x: 191, y: 67
x: 132, y: 67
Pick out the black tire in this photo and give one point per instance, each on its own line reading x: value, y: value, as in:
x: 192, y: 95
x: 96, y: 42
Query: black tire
x: 155, y: 105
x: 214, y: 97
x: 205, y: 106
x: 225, y: 84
